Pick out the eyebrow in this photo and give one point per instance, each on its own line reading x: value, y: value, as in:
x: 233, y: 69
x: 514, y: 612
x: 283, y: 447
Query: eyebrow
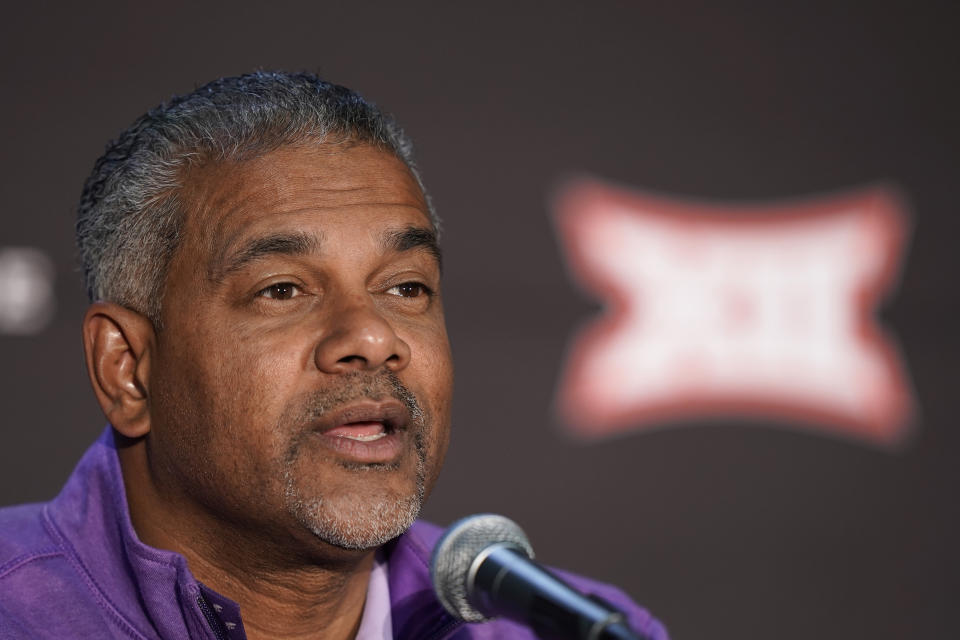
x: 294, y: 243
x: 412, y: 237
x: 298, y: 243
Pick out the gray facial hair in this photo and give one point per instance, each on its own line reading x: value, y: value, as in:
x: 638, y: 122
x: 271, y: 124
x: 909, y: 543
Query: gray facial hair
x: 380, y: 519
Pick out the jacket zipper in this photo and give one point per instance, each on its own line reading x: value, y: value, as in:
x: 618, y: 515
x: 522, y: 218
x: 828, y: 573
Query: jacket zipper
x: 211, y: 618
x: 447, y: 631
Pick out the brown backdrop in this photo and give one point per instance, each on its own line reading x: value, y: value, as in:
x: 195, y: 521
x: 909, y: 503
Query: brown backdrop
x: 724, y: 529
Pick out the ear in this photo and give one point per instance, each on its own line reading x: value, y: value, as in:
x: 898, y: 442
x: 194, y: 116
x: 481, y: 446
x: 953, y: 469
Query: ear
x: 118, y: 343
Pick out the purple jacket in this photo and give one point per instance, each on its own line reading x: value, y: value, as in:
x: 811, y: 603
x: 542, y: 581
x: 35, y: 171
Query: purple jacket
x: 74, y: 568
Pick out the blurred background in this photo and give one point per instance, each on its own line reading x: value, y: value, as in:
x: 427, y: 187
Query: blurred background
x: 723, y: 527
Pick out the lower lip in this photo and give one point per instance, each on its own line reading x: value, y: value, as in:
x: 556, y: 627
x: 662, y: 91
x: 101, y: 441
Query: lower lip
x: 387, y: 448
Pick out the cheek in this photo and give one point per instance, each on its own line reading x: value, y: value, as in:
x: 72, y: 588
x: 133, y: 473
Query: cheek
x: 431, y: 370
x: 231, y: 388
x: 431, y: 364
x: 260, y: 372
x: 220, y: 442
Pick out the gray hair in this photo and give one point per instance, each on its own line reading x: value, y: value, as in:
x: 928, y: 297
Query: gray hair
x: 131, y: 212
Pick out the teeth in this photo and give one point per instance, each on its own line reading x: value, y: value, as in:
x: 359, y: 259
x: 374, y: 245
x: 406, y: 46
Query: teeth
x: 369, y: 438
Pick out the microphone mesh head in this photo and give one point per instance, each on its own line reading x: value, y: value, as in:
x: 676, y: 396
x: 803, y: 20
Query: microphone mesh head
x: 456, y: 551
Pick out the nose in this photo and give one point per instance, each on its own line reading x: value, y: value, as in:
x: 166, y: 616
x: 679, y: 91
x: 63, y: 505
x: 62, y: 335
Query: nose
x: 359, y: 338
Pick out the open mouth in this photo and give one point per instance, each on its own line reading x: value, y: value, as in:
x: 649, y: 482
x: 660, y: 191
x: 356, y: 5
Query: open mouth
x: 362, y: 431
x: 367, y: 432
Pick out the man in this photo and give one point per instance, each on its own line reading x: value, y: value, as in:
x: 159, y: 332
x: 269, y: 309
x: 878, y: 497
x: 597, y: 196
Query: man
x: 267, y: 341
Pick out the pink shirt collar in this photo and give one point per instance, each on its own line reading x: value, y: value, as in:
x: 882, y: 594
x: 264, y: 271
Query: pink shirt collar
x: 376, y: 623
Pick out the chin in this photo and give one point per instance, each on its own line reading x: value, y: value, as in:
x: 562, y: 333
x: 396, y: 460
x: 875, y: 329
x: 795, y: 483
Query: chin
x: 359, y: 517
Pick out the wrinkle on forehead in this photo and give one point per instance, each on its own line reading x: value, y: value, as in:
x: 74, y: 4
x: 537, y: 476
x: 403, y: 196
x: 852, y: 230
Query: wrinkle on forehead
x: 222, y: 198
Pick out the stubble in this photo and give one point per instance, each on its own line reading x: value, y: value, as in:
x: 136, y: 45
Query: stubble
x: 354, y: 517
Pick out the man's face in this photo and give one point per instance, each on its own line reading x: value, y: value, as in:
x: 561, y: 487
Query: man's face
x: 303, y: 378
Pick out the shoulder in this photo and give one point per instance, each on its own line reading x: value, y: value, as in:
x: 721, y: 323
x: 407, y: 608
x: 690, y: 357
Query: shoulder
x: 23, y: 536
x: 28, y: 553
x: 39, y: 592
x: 639, y: 618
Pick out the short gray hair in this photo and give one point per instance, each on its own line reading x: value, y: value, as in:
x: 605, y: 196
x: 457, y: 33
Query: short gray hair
x: 131, y: 211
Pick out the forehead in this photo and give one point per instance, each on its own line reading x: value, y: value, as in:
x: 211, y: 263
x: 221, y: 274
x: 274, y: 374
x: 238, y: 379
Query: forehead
x: 331, y: 187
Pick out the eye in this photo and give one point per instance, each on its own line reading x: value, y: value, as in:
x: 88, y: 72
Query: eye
x: 280, y: 291
x: 410, y: 290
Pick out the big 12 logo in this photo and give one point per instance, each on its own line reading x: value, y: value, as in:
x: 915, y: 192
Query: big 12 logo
x: 712, y: 310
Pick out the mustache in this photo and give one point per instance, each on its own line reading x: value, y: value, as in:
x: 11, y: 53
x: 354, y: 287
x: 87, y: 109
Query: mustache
x: 359, y: 385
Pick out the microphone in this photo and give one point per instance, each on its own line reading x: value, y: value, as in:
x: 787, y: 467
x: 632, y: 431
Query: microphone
x: 483, y: 567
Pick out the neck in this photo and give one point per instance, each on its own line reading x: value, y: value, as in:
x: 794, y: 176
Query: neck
x: 308, y: 602
x: 281, y: 593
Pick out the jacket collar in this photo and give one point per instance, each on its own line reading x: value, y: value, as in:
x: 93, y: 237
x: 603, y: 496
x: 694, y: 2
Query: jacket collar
x: 149, y: 590
x: 416, y: 611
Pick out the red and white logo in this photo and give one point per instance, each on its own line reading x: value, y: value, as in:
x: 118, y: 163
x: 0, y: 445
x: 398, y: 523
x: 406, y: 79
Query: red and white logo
x: 762, y: 310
